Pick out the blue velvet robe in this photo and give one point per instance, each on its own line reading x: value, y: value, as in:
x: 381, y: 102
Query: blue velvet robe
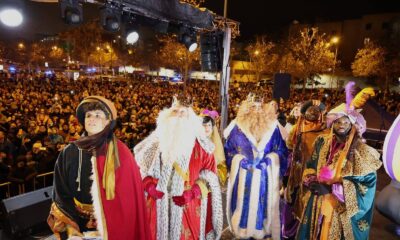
x: 253, y: 186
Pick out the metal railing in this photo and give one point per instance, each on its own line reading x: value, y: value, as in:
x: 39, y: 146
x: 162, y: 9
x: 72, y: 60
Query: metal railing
x: 43, y: 175
x: 6, y: 184
x: 41, y: 178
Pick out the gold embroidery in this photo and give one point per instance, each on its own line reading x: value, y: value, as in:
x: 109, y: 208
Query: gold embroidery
x: 363, y: 225
x: 59, y: 222
x: 186, y: 233
x: 239, y: 150
x: 308, y: 171
x: 198, y: 211
x: 305, y: 220
x: 85, y: 210
x: 363, y: 189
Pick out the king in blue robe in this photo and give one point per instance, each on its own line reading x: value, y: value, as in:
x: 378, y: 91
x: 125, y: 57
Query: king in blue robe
x: 256, y: 157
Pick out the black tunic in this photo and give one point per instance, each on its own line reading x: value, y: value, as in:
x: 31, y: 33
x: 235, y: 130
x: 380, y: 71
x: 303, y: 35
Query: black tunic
x: 66, y: 185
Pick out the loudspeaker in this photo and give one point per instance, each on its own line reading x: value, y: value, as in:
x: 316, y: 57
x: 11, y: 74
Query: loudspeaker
x: 211, y: 51
x: 23, y: 212
x: 282, y: 86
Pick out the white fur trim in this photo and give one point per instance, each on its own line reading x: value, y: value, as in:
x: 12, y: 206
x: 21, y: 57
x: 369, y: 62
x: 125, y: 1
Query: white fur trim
x: 145, y: 154
x: 216, y: 203
x: 276, y: 223
x: 96, y: 197
x: 229, y: 129
x: 272, y: 223
x: 254, y: 198
x: 206, y: 144
x: 203, y: 218
x: 232, y: 176
x: 264, y: 140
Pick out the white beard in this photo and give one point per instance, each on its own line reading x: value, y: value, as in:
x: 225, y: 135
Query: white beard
x: 177, y: 135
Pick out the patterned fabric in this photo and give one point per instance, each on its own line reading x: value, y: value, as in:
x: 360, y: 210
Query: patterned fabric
x: 195, y: 220
x: 325, y: 217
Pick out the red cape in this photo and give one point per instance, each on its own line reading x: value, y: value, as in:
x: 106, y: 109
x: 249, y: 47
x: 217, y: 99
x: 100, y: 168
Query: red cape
x: 125, y: 215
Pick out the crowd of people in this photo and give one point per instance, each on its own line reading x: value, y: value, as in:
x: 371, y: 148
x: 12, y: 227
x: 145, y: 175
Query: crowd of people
x: 37, y: 114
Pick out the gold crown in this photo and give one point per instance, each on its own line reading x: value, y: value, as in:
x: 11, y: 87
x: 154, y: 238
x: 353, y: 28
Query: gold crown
x: 184, y: 100
x: 252, y: 98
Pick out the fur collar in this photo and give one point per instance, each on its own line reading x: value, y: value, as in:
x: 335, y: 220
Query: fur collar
x: 259, y: 145
x: 206, y: 144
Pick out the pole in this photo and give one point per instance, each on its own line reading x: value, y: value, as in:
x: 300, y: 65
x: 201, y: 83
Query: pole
x: 224, y: 82
x: 225, y: 8
x: 334, y: 68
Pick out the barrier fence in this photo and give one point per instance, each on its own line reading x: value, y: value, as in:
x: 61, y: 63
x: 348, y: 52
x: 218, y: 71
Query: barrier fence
x: 39, y: 181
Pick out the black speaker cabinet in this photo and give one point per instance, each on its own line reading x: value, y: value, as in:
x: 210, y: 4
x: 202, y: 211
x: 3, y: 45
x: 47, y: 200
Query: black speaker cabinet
x: 282, y: 86
x: 23, y: 212
x: 211, y: 51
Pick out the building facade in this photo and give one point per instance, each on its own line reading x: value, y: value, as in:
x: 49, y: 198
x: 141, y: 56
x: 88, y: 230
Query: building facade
x: 353, y: 33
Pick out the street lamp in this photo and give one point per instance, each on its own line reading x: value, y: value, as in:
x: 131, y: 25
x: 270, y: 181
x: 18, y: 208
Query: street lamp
x: 335, y: 41
x: 21, y: 45
x: 132, y: 37
x: 256, y: 52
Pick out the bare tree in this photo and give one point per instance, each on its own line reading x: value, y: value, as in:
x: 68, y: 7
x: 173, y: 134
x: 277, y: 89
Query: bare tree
x: 378, y: 63
x: 261, y: 56
x: 103, y: 55
x: 37, y: 54
x: 83, y: 40
x: 311, y: 54
x: 176, y: 56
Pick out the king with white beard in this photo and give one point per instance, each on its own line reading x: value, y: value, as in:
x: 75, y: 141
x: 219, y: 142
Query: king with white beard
x: 179, y: 175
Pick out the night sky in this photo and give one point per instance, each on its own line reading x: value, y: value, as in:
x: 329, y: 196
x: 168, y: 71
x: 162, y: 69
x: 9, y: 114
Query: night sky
x: 257, y: 17
x: 271, y: 17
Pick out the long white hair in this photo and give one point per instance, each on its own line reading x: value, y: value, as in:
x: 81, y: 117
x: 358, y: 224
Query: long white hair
x: 177, y: 135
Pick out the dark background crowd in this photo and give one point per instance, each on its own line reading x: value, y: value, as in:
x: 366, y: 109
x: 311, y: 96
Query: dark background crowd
x: 37, y: 114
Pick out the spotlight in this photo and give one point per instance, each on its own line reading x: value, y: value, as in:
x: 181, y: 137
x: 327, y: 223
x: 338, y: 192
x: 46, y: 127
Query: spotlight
x: 189, y: 39
x: 11, y: 13
x: 11, y: 17
x: 132, y: 37
x: 110, y: 18
x: 71, y: 11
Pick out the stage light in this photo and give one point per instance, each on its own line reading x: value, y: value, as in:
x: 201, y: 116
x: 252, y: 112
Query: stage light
x: 110, y: 18
x: 11, y: 17
x: 71, y: 11
x: 189, y: 39
x: 132, y: 37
